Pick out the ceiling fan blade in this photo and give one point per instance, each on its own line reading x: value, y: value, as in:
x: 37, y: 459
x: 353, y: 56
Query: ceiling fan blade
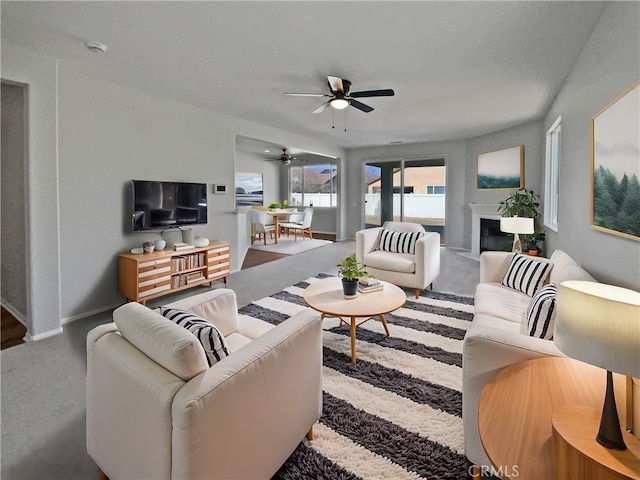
x: 373, y: 93
x: 360, y: 106
x: 306, y: 94
x: 346, y: 84
x: 322, y: 107
x: 335, y: 84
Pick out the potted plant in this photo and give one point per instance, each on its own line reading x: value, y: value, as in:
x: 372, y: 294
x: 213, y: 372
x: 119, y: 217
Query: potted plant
x: 533, y: 243
x: 350, y: 272
x: 273, y: 205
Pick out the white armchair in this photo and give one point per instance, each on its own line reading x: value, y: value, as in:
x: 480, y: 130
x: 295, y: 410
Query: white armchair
x: 155, y: 410
x: 414, y: 270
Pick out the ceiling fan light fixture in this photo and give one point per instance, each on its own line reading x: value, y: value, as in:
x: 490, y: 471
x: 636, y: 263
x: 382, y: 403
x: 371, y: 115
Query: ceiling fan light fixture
x: 339, y: 103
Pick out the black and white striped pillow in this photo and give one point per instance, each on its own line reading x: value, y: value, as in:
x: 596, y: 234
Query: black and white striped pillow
x: 210, y: 337
x: 526, y: 274
x: 399, y: 242
x: 541, y: 312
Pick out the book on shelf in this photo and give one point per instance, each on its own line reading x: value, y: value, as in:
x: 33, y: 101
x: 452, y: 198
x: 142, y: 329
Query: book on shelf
x: 182, y: 246
x: 369, y: 289
x: 369, y: 281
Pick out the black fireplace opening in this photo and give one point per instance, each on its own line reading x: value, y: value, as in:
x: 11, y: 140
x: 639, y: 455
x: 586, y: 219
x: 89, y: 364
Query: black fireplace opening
x: 492, y: 239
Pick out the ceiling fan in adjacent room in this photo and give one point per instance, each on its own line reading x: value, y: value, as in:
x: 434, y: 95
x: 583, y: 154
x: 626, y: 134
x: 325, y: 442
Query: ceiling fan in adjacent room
x: 341, y: 95
x: 285, y: 158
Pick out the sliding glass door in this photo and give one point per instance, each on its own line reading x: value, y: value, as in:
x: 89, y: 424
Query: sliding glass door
x: 408, y: 190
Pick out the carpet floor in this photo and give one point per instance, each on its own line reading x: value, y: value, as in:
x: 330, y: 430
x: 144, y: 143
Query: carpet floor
x: 396, y: 413
x: 289, y: 246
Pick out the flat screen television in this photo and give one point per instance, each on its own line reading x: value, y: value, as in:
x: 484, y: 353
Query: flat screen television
x: 164, y: 205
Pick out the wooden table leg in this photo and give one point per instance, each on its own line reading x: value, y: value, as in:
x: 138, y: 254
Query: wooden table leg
x: 384, y: 324
x: 275, y: 223
x: 353, y: 339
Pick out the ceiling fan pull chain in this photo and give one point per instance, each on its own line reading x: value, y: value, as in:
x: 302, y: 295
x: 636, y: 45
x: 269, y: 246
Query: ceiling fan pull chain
x: 345, y: 120
x: 333, y: 118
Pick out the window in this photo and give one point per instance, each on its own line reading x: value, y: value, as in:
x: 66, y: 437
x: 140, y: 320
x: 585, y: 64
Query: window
x: 552, y: 176
x: 314, y: 186
x: 435, y: 189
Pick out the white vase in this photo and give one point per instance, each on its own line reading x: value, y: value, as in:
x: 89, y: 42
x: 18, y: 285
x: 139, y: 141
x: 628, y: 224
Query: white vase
x: 159, y: 244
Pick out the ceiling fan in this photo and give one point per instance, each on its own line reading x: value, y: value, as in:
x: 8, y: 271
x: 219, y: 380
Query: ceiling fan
x: 341, y: 95
x: 285, y: 158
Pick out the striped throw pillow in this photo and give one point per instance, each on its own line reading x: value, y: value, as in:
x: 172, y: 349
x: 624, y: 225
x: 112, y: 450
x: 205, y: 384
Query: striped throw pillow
x: 210, y: 337
x: 399, y: 242
x: 541, y: 312
x: 526, y: 274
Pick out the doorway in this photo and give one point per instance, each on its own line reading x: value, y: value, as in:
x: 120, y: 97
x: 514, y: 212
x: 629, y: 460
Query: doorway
x: 14, y: 214
x: 406, y: 190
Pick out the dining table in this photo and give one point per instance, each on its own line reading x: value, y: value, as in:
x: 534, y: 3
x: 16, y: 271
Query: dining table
x: 276, y: 213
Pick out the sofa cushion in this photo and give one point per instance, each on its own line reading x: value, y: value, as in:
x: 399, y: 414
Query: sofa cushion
x: 541, y: 312
x: 212, y: 340
x: 566, y: 268
x: 398, y: 242
x: 395, y: 262
x: 526, y: 274
x: 496, y: 300
x: 161, y: 340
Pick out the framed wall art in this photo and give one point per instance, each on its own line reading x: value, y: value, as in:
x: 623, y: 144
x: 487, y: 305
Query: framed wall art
x: 615, y: 166
x: 249, y: 189
x: 501, y: 169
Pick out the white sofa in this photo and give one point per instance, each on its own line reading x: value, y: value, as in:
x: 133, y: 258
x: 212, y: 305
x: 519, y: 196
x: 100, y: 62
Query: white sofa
x: 498, y: 337
x: 416, y: 271
x: 155, y: 410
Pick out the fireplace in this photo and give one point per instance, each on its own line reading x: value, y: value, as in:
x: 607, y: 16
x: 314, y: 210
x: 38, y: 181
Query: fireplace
x: 480, y: 211
x: 491, y: 238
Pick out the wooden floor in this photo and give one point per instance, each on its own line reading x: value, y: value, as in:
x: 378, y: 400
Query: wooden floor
x: 257, y: 257
x: 12, y: 331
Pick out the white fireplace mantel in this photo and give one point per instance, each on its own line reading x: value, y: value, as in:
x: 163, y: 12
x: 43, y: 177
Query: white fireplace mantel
x: 481, y: 210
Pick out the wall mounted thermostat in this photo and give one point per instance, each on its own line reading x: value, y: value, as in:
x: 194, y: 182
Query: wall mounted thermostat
x: 219, y: 189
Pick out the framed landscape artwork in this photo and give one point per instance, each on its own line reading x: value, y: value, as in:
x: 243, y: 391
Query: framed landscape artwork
x: 249, y: 189
x: 615, y: 166
x: 501, y: 169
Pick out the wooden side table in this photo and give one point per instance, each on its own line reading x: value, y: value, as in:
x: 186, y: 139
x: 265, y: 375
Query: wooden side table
x: 515, y: 415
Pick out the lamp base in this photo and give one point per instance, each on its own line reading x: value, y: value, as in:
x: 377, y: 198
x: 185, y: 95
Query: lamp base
x: 610, y: 434
x: 517, y: 245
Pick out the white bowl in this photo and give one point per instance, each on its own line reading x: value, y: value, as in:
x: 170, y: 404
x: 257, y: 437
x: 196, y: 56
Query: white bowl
x: 148, y: 249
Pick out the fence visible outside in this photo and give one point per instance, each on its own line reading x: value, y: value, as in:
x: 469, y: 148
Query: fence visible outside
x: 419, y: 208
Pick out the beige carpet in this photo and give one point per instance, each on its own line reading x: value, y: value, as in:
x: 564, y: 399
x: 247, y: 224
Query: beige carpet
x: 289, y: 246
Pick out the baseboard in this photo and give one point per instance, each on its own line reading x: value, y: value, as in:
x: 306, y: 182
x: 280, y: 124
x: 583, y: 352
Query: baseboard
x: 40, y: 336
x: 80, y: 316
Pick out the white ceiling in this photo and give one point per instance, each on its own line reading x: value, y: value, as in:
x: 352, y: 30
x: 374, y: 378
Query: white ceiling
x: 459, y: 69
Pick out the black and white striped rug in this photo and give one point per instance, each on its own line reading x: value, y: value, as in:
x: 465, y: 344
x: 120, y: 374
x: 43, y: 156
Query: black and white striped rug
x: 396, y: 413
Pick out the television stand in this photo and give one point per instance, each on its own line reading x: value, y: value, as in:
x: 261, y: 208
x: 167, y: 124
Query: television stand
x: 150, y: 275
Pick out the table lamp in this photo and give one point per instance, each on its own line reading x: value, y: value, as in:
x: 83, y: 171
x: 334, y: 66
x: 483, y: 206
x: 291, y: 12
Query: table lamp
x: 516, y: 225
x: 600, y: 324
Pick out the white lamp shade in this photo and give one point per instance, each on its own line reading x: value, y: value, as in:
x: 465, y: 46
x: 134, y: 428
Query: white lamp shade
x: 522, y: 225
x: 339, y: 103
x: 599, y: 324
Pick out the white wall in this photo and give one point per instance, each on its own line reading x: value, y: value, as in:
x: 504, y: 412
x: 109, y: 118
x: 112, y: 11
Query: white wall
x: 106, y: 135
x: 609, y: 64
x: 530, y: 135
x: 42, y: 230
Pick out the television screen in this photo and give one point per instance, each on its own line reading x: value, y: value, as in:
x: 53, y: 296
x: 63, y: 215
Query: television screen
x: 164, y: 205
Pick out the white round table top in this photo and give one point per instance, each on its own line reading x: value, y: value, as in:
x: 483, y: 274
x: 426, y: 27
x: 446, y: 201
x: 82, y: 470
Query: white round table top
x: 326, y: 296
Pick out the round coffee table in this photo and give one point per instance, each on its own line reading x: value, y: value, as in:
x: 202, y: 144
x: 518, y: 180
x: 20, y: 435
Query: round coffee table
x: 326, y: 297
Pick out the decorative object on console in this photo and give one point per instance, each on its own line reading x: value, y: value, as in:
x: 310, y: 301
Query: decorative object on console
x: 501, y: 169
x: 148, y: 247
x: 188, y: 236
x: 201, y: 242
x: 159, y: 245
x: 516, y: 225
x: 600, y: 324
